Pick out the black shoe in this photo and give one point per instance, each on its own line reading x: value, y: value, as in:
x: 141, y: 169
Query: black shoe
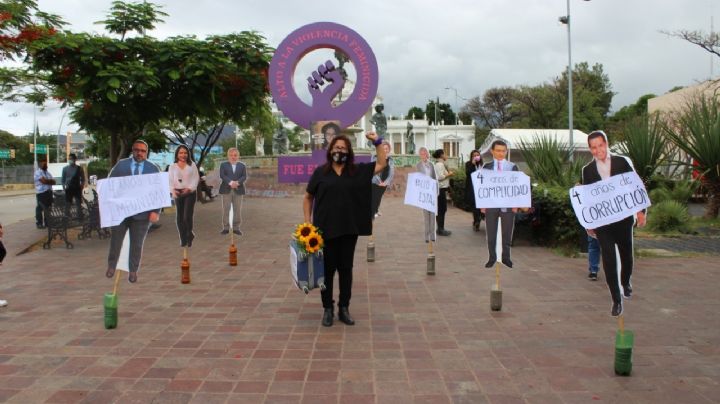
x: 110, y: 272
x: 39, y: 226
x: 327, y: 319
x: 132, y: 277
x: 617, y: 309
x: 238, y: 232
x: 344, y: 316
x: 476, y: 226
x: 490, y: 263
x: 592, y: 276
x: 507, y: 263
x: 225, y: 231
x: 627, y: 291
x: 443, y: 232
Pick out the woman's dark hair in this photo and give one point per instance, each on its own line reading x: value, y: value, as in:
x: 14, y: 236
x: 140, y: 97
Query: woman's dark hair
x: 470, y: 160
x: 438, y: 153
x: 324, y: 129
x: 349, y: 163
x: 189, y: 157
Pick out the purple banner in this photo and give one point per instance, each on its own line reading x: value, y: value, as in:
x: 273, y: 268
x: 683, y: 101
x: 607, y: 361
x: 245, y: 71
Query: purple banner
x: 297, y: 169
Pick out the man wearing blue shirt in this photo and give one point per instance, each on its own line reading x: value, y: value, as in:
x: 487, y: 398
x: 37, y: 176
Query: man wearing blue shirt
x: 138, y: 224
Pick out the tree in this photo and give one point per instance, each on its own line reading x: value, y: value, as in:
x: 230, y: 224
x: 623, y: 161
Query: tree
x: 415, y: 113
x: 136, y: 86
x: 540, y: 107
x: 707, y: 41
x: 696, y: 131
x: 295, y: 138
x: 444, y: 113
x: 494, y: 110
x: 617, y: 122
x: 645, y: 144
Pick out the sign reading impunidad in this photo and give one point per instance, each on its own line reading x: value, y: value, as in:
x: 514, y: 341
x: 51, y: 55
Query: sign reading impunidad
x: 501, y: 189
x: 422, y: 192
x: 610, y: 200
x: 122, y: 197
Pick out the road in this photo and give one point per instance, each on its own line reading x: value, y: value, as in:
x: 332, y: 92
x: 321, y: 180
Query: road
x: 15, y: 208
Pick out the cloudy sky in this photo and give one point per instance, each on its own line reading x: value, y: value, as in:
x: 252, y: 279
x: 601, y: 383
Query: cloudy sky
x: 425, y: 46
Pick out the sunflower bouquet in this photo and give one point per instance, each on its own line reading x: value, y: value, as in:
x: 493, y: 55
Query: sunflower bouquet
x: 308, y: 240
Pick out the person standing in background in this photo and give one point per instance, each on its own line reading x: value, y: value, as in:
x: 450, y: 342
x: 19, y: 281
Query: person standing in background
x: 73, y: 182
x: 382, y: 180
x: 233, y: 175
x: 443, y: 177
x: 426, y: 167
x: 184, y: 179
x: 43, y: 193
x: 473, y: 164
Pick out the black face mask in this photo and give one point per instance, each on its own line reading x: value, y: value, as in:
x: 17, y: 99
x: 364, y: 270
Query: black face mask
x: 339, y: 157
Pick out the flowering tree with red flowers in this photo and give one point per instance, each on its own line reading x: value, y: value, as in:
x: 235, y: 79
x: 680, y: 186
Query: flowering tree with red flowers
x: 132, y: 85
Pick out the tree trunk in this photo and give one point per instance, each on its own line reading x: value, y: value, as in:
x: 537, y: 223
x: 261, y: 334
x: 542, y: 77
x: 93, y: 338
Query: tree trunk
x: 713, y: 204
x: 113, y: 149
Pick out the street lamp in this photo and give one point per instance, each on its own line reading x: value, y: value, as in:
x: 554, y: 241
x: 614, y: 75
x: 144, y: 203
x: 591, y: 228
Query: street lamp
x: 565, y: 19
x: 456, y: 108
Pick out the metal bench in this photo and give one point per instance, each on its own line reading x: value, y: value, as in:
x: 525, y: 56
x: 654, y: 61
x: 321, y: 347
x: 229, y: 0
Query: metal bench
x: 60, y: 218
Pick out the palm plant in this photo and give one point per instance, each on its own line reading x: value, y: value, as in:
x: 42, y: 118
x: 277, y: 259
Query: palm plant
x: 697, y: 133
x: 645, y: 144
x: 549, y: 161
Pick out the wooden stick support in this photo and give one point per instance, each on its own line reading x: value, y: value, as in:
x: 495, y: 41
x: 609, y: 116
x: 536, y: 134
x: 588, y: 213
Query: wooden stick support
x: 117, y: 281
x: 621, y: 324
x: 497, y: 276
x: 185, y: 253
x: 430, y: 247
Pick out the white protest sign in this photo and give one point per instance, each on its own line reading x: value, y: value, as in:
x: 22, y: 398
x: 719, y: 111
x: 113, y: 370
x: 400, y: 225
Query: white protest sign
x: 501, y: 189
x: 123, y: 262
x: 421, y: 192
x: 122, y: 197
x: 610, y: 200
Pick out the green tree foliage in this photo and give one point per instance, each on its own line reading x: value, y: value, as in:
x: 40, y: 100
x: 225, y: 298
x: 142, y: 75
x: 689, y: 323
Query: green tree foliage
x: 645, y: 144
x: 696, y: 131
x: 494, y: 110
x: 549, y: 162
x: 444, y: 113
x: 136, y: 86
x: 415, y: 113
x: 295, y: 138
x: 616, y: 122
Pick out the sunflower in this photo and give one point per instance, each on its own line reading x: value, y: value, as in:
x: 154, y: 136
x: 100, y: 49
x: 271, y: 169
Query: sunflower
x: 303, y: 231
x: 313, y: 243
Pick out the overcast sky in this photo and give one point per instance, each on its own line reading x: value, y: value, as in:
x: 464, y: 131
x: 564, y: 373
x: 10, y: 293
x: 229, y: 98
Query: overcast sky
x: 424, y: 46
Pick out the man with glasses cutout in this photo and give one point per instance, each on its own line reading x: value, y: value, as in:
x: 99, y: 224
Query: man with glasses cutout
x: 138, y: 224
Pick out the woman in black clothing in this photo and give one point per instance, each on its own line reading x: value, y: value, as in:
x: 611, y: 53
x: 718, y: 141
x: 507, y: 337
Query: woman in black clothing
x: 337, y: 199
x: 475, y: 163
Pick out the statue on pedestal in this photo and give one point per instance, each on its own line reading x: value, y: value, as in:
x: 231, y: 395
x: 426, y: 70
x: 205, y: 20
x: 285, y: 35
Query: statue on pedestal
x: 379, y: 120
x: 280, y: 141
x: 410, y: 136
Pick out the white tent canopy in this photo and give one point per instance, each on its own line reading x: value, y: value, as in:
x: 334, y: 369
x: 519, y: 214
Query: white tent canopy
x: 514, y: 138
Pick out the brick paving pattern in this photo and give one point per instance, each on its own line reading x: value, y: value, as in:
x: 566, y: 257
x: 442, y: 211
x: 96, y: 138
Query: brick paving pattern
x: 246, y: 335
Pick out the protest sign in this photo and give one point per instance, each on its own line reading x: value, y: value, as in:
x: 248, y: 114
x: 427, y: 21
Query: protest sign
x: 609, y: 201
x: 122, y: 197
x: 421, y: 192
x: 501, y: 189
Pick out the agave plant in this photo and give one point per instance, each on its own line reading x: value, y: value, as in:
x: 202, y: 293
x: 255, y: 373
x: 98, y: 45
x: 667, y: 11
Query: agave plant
x: 645, y: 145
x: 696, y: 131
x: 549, y: 161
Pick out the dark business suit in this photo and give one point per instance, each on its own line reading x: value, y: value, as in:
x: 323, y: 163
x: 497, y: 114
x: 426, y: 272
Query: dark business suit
x: 507, y: 221
x: 618, y: 234
x: 232, y: 197
x: 138, y: 224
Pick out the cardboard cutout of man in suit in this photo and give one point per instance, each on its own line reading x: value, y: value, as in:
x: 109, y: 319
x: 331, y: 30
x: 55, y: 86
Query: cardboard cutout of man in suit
x: 233, y: 174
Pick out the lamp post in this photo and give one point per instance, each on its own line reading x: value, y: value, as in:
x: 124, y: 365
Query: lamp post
x: 58, y: 137
x: 456, y: 110
x: 565, y: 19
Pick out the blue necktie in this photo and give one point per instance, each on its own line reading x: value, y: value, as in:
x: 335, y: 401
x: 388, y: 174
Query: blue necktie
x: 137, y: 169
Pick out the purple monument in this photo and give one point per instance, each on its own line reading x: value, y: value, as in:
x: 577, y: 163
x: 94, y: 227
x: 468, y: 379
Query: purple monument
x: 323, y: 84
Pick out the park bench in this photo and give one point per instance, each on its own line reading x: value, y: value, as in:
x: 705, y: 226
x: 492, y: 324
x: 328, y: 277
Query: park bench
x: 60, y: 217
